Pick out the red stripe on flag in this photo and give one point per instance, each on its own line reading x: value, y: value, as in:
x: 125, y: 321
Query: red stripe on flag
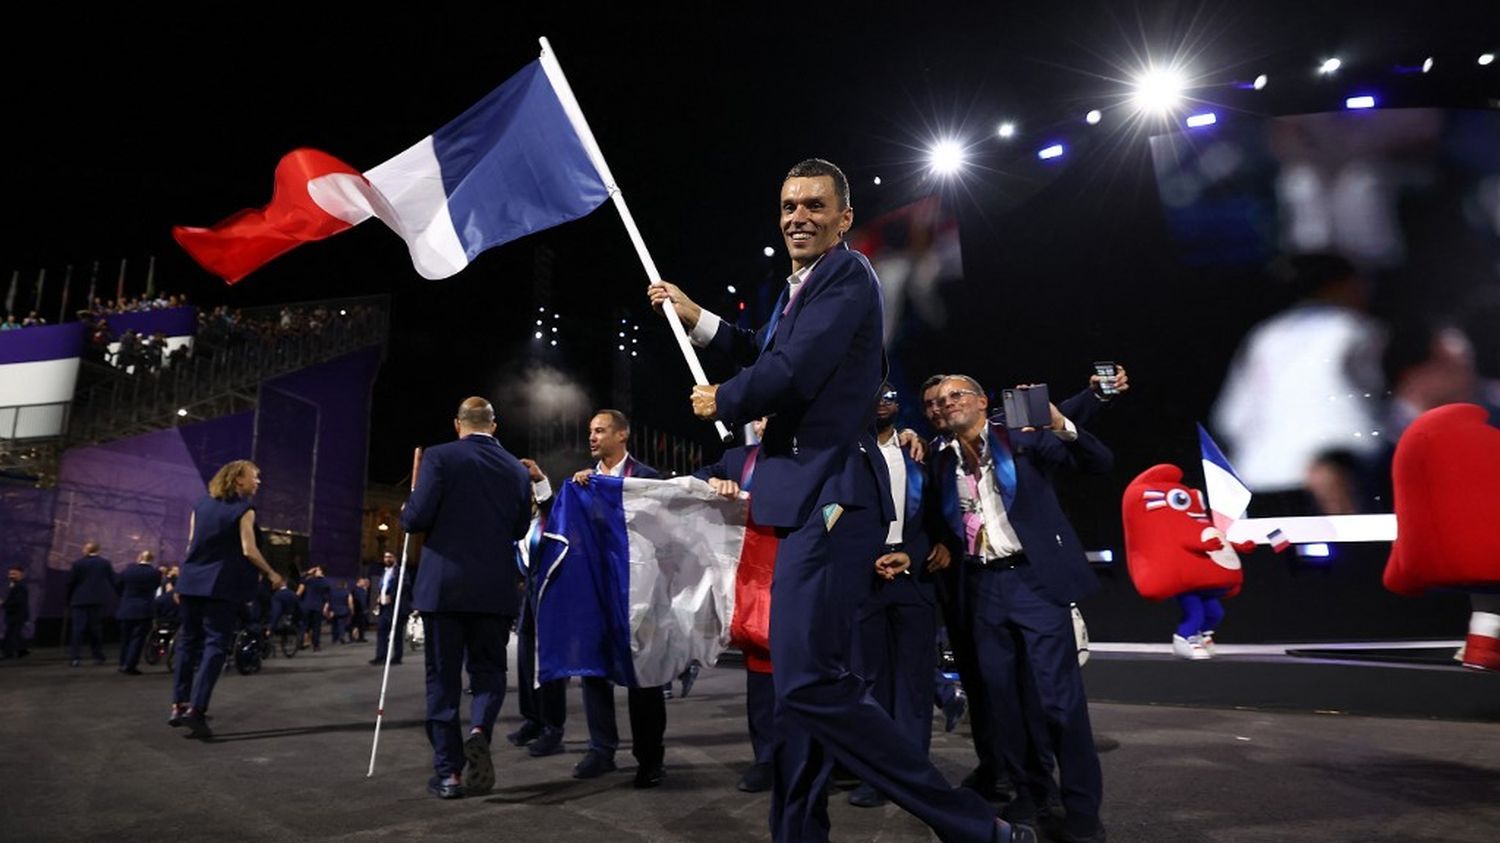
x: 247, y: 240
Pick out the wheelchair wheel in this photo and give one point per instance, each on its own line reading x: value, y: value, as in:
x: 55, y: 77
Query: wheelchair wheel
x: 246, y: 654
x: 154, y: 650
x: 290, y: 640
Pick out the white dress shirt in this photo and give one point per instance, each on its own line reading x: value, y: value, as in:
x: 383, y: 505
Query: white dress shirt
x: 1000, y: 539
x: 896, y: 462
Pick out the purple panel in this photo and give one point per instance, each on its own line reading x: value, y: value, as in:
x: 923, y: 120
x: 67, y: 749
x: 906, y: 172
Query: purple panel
x: 173, y: 321
x: 135, y: 494
x: 217, y: 441
x: 42, y: 342
x: 26, y: 528
x: 341, y: 390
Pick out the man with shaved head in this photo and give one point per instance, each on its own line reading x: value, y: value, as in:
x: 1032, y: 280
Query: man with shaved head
x: 472, y: 501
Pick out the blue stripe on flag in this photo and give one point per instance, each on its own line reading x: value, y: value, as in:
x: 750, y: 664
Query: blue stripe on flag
x: 1211, y: 453
x: 583, y: 605
x: 513, y: 164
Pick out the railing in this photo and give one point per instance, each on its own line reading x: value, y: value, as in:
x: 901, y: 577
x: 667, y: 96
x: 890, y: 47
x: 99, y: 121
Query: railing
x: 222, y: 371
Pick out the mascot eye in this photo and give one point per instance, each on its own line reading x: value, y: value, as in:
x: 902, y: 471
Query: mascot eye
x: 1179, y: 499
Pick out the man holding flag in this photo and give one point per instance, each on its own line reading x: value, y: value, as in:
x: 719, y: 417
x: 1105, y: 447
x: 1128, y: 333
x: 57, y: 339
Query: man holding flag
x: 815, y: 369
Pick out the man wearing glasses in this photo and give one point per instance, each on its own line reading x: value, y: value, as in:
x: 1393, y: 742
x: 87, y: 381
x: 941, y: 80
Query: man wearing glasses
x: 1017, y: 567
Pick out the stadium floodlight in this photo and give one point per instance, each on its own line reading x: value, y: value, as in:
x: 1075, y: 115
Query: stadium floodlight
x: 946, y: 157
x: 1159, y: 90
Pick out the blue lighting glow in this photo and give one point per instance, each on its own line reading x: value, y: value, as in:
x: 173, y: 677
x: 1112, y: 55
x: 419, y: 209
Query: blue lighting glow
x: 1206, y: 119
x: 1317, y: 550
x: 1365, y: 101
x: 1053, y: 151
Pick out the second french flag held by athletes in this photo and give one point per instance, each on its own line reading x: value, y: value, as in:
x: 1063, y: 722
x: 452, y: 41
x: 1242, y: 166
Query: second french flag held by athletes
x: 514, y: 163
x: 637, y: 578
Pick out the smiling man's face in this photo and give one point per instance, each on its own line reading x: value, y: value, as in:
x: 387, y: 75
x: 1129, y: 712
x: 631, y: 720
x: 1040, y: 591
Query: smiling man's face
x: 813, y: 219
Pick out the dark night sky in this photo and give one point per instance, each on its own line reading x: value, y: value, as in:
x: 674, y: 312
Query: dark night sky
x: 122, y: 124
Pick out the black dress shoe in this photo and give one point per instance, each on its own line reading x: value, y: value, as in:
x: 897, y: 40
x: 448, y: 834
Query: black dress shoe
x: 648, y: 776
x: 593, y: 765
x: 73, y: 663
x: 529, y: 731
x: 446, y: 787
x: 130, y: 671
x: 865, y: 796
x: 197, y: 725
x: 550, y: 743
x: 984, y: 783
x: 757, y: 779
x: 175, y: 719
x: 479, y: 775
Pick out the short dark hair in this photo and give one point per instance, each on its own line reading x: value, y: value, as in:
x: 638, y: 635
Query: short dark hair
x: 933, y: 381
x: 617, y: 419
x: 815, y: 167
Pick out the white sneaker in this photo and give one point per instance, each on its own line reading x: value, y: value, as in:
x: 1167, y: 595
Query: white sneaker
x: 1189, y: 648
x: 1208, y: 643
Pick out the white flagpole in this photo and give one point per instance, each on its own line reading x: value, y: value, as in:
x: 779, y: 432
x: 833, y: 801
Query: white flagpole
x: 395, y: 608
x: 570, y: 105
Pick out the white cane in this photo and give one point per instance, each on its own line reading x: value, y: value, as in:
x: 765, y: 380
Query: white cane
x: 390, y: 645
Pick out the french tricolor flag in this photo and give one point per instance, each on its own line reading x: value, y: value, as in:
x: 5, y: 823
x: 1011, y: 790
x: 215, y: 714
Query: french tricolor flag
x: 518, y: 161
x: 638, y: 578
x: 1228, y: 498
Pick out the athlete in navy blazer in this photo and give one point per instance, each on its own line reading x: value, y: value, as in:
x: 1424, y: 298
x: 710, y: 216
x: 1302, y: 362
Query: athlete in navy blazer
x: 895, y: 631
x: 816, y: 369
x: 1015, y: 598
x: 609, y: 432
x: 472, y: 500
x: 138, y: 585
x: 91, y: 584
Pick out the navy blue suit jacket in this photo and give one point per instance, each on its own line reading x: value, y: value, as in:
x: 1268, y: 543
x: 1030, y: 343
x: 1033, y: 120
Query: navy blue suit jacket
x: 473, y: 501
x: 1057, y: 565
x: 314, y: 596
x: 92, y: 582
x: 918, y: 527
x: 17, y: 603
x: 731, y: 465
x: 138, y: 585
x: 817, y: 376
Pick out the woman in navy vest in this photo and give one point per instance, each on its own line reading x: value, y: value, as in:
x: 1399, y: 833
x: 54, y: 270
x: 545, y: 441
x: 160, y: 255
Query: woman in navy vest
x: 218, y: 577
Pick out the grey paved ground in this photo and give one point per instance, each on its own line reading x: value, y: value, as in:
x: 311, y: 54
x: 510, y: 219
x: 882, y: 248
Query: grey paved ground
x: 87, y: 755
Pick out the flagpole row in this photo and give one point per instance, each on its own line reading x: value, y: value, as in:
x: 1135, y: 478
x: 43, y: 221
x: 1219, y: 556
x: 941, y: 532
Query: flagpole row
x: 570, y: 105
x: 395, y: 609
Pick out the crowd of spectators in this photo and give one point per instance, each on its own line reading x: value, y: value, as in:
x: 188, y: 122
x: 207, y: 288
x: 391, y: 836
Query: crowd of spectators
x: 219, y: 329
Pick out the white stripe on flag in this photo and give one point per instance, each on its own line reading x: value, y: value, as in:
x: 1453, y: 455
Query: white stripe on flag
x: 1226, y: 494
x: 685, y: 544
x: 417, y: 209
